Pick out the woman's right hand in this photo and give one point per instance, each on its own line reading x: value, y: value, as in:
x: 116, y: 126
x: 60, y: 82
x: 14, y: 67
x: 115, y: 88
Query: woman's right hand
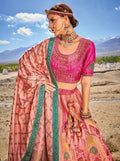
x: 90, y: 122
x: 49, y: 87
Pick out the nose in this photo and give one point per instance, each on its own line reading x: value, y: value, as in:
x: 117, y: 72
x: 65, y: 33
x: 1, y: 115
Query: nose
x: 50, y: 28
x: 50, y: 25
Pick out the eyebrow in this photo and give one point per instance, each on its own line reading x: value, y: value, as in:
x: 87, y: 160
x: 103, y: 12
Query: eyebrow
x: 51, y: 18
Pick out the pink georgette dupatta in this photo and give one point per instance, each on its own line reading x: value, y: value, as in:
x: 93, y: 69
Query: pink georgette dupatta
x: 34, y: 130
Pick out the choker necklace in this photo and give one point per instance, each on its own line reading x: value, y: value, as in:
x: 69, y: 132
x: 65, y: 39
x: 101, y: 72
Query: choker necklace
x: 68, y: 38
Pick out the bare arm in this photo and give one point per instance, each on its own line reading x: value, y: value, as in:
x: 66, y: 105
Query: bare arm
x: 85, y: 84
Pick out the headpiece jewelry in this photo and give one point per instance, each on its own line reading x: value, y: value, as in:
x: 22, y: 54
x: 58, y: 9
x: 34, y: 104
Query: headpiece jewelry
x: 62, y: 9
x: 59, y: 12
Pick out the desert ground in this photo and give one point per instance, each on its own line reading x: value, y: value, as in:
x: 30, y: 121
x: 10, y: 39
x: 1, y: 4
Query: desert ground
x: 104, y: 105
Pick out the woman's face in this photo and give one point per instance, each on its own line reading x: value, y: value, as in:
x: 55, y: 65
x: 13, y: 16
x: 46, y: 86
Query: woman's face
x: 56, y: 24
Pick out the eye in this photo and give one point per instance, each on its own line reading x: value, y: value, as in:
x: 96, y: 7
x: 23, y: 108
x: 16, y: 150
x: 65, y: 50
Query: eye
x: 52, y: 20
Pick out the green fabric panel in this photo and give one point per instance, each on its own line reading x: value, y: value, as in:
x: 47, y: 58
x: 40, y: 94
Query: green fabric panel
x: 55, y: 104
x: 36, y: 123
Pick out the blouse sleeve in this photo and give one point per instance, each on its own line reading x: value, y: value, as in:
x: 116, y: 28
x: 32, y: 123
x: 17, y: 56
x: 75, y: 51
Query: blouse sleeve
x: 88, y: 65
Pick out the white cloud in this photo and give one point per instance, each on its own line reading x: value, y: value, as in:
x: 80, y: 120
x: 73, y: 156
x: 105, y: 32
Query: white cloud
x: 44, y: 26
x: 16, y: 39
x: 14, y: 33
x: 37, y: 25
x: 117, y: 8
x: 39, y: 19
x: 10, y: 18
x: 31, y: 17
x: 11, y: 25
x: 3, y: 42
x: 24, y: 31
x: 19, y: 39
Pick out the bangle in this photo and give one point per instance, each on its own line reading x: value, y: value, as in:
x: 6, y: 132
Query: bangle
x: 84, y: 118
x: 85, y: 115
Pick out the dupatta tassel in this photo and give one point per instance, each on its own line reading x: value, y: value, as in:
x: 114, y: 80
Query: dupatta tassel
x: 72, y: 144
x: 81, y: 144
x: 82, y: 139
x: 75, y: 139
x: 68, y: 137
x: 83, y: 131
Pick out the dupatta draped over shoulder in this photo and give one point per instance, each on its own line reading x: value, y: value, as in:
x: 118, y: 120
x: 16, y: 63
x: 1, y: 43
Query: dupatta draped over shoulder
x: 34, y: 128
x: 48, y: 126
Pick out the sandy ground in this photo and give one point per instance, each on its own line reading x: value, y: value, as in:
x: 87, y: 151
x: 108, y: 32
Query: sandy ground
x: 104, y: 105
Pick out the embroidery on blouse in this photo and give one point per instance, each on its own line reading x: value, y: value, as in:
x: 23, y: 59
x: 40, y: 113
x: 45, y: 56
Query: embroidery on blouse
x: 68, y: 68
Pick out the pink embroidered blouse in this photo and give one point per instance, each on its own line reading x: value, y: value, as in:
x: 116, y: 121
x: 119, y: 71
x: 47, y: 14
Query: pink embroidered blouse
x: 69, y: 68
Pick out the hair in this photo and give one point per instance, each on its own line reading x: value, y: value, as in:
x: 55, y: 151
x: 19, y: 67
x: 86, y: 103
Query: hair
x: 62, y: 7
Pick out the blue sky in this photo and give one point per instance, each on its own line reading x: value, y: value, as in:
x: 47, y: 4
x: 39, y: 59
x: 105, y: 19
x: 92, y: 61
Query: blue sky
x: 23, y: 22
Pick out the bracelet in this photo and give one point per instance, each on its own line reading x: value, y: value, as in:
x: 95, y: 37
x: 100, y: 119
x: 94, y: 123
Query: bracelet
x: 84, y: 118
x: 85, y: 115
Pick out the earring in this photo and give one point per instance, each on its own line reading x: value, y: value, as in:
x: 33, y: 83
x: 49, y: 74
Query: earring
x: 54, y: 27
x: 66, y: 26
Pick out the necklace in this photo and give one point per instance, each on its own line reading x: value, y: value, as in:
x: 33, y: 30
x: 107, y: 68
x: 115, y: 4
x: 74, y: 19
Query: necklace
x: 68, y: 38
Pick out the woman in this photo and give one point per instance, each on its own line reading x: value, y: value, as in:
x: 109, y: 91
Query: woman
x: 51, y: 120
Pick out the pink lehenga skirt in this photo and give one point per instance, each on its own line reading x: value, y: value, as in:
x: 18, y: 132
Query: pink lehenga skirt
x: 75, y: 142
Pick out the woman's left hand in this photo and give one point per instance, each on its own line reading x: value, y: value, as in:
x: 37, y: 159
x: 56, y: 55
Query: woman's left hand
x: 49, y: 87
x: 90, y: 122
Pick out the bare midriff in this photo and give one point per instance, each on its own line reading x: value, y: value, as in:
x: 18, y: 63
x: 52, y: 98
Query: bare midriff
x: 69, y: 86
